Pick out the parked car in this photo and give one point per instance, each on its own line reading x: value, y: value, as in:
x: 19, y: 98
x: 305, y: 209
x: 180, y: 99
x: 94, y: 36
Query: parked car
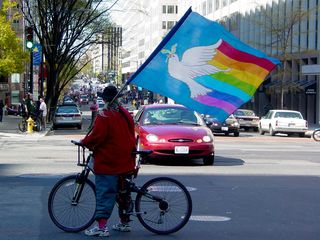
x: 283, y: 121
x: 247, y: 119
x: 230, y: 125
x: 84, y: 99
x: 67, y: 115
x: 173, y: 131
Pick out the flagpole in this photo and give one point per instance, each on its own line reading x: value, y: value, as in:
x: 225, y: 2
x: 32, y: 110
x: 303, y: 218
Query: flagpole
x: 155, y: 52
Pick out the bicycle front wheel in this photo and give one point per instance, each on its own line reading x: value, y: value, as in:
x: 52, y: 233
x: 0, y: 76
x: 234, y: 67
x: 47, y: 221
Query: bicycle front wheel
x: 164, y: 205
x: 316, y: 135
x: 22, y: 125
x: 68, y: 214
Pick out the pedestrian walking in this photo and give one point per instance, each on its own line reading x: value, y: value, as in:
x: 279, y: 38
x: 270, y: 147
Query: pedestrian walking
x: 112, y: 141
x: 30, y: 105
x: 43, y: 114
x: 1, y: 109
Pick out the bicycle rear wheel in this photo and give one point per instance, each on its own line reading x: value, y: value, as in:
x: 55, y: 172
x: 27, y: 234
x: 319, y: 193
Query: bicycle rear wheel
x: 163, y: 206
x: 66, y: 214
x: 316, y: 135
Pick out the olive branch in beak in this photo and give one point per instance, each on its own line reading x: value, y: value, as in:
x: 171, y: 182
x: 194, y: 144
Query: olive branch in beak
x: 171, y: 52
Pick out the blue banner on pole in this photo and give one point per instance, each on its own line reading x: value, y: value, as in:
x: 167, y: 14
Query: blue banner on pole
x: 37, y: 54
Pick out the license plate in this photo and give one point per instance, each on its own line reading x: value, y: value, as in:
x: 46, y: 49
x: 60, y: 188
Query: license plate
x: 291, y: 124
x: 181, y: 149
x: 67, y: 118
x: 224, y: 128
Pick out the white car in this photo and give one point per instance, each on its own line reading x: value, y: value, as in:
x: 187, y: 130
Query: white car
x: 101, y: 104
x: 283, y: 121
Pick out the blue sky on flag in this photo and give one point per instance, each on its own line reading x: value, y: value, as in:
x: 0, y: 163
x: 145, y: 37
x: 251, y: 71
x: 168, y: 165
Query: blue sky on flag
x: 201, y: 65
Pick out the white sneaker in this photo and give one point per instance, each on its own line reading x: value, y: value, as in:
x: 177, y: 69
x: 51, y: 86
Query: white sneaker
x: 122, y: 227
x: 96, y: 231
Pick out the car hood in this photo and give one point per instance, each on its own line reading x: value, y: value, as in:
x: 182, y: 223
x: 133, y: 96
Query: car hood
x: 181, y: 131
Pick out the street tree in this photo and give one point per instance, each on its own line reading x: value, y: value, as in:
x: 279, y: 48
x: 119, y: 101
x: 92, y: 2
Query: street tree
x: 66, y: 30
x: 12, y: 56
x: 280, y: 26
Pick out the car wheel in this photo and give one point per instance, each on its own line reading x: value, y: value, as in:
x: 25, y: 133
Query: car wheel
x: 54, y: 127
x: 256, y: 129
x: 261, y: 132
x: 236, y: 134
x: 208, y: 160
x: 79, y: 126
x: 227, y: 134
x: 271, y: 131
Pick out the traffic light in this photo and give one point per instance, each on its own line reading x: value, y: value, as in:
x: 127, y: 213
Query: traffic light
x: 29, y: 37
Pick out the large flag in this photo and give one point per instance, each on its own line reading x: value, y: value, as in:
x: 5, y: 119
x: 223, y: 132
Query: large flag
x: 201, y: 65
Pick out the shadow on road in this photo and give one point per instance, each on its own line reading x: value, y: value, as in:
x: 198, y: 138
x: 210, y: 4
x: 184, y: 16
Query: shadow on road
x: 219, y: 161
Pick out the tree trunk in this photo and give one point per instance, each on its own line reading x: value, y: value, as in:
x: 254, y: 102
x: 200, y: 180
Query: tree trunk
x: 282, y: 84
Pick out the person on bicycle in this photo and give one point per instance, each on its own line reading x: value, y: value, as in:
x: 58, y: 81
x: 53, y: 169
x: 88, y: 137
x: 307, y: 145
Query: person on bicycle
x: 112, y: 141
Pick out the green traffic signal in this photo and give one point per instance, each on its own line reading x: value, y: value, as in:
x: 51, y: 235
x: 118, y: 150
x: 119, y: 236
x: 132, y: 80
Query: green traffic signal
x: 29, y: 44
x: 29, y: 37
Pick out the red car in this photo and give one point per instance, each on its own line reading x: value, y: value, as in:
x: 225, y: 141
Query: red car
x: 173, y: 131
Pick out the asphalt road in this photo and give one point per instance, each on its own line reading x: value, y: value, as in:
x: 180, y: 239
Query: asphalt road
x: 260, y: 187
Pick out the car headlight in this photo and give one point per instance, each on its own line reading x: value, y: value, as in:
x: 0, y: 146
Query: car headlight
x: 235, y: 124
x: 152, y: 138
x: 206, y: 139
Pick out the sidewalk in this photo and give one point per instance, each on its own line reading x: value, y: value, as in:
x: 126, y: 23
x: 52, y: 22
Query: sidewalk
x: 9, y: 127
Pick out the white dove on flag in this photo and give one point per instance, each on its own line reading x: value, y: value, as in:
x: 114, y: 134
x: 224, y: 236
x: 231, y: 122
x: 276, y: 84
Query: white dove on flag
x: 194, y: 64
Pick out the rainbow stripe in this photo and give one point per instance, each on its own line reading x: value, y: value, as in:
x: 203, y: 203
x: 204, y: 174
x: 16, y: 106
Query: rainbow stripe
x: 233, y: 88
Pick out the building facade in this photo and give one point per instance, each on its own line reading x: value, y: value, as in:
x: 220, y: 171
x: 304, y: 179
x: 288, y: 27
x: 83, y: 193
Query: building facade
x: 145, y: 23
x: 106, y: 55
x: 257, y: 23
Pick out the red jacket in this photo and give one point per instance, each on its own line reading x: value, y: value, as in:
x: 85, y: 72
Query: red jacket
x: 112, y: 141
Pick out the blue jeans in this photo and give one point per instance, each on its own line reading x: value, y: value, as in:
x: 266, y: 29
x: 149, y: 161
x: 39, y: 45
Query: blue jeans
x: 106, y: 191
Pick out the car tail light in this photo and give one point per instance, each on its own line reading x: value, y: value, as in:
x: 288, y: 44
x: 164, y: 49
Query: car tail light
x: 306, y: 123
x: 277, y: 123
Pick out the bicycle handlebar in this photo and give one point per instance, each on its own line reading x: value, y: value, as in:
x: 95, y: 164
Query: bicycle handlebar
x: 141, y: 152
x: 77, y: 143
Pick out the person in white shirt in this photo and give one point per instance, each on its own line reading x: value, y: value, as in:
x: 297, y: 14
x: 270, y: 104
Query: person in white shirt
x: 43, y: 109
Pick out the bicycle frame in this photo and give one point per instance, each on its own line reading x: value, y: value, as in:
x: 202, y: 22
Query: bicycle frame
x: 153, y: 205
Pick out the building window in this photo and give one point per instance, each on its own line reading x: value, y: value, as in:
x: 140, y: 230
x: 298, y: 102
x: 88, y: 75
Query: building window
x: 216, y: 4
x: 176, y: 9
x: 141, y: 42
x: 209, y: 3
x: 164, y: 9
x: 170, y: 24
x: 126, y: 64
x: 224, y: 3
x: 204, y: 8
x: 15, y: 78
x: 170, y: 9
x: 15, y: 97
x: 164, y: 24
x: 141, y: 55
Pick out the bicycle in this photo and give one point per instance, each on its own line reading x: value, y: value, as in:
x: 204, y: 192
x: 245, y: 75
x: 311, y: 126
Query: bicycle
x: 162, y: 205
x: 316, y: 134
x: 23, y: 124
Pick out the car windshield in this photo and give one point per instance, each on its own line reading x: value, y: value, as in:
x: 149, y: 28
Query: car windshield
x: 288, y: 115
x: 166, y: 116
x: 67, y: 109
x: 244, y: 113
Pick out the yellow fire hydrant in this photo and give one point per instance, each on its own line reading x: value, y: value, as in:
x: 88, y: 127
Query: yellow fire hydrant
x: 30, y: 125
